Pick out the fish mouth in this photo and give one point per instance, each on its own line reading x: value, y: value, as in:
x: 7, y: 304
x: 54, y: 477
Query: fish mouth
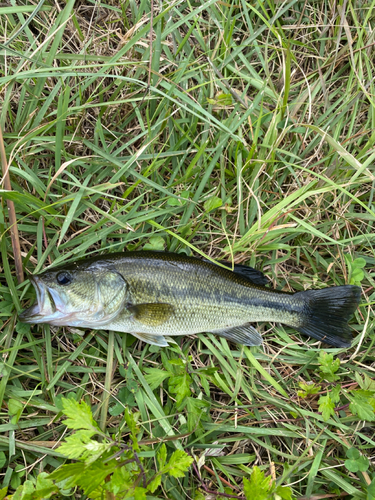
x: 44, y: 307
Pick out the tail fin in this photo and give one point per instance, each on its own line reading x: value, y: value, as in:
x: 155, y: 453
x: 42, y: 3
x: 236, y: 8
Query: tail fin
x: 327, y: 313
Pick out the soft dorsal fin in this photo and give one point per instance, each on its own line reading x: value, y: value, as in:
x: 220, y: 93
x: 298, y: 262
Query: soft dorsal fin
x: 153, y: 314
x: 249, y: 273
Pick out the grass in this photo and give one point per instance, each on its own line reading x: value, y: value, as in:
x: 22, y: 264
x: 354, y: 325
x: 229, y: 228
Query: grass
x: 230, y: 129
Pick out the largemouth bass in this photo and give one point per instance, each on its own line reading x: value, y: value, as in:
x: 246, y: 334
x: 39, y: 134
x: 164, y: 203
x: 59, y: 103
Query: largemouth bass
x: 152, y: 295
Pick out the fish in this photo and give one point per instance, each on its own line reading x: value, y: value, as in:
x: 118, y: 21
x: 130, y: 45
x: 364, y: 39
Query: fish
x: 153, y: 295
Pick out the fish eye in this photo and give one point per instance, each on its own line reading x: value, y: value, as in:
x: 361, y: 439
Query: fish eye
x: 63, y: 278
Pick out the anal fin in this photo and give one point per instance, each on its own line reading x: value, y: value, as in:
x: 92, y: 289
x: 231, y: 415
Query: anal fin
x: 245, y: 335
x: 151, y: 338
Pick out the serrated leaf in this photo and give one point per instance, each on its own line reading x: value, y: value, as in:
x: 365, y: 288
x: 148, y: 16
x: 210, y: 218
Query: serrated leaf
x: 178, y: 464
x: 94, y: 476
x: 180, y: 386
x: 79, y: 474
x: 176, y: 362
x: 3, y: 492
x: 359, y: 406
x: 258, y: 486
x: 74, y: 446
x: 335, y: 394
x: 308, y: 389
x: 326, y: 407
x: 139, y: 493
x: 155, y: 377
x: 132, y: 424
x: 366, y: 383
x: 154, y: 484
x: 284, y: 492
x: 196, y: 409
x: 162, y: 456
x: 121, y: 479
x: 80, y: 415
x: 328, y: 366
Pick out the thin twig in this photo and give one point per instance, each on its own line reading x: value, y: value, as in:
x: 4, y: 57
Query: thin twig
x: 12, y: 214
x: 329, y: 495
x: 210, y: 492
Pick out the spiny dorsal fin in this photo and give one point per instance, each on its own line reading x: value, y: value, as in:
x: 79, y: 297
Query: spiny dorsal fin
x: 153, y: 314
x: 249, y: 273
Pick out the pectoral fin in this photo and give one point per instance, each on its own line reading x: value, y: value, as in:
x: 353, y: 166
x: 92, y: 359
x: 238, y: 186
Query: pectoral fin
x: 245, y: 335
x: 153, y: 314
x: 151, y: 339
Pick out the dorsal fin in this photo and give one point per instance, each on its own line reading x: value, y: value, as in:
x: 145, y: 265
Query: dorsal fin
x: 249, y: 273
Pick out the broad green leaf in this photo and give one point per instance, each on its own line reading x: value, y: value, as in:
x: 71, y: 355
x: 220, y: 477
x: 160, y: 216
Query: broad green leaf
x: 212, y: 203
x: 356, y: 464
x: 175, y: 202
x: 14, y: 406
x: 45, y: 487
x: 359, y: 263
x: 353, y: 453
x: 156, y: 243
x: 356, y: 276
